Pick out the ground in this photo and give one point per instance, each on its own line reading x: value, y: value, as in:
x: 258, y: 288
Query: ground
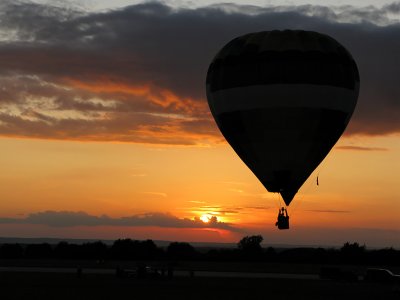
x: 39, y: 285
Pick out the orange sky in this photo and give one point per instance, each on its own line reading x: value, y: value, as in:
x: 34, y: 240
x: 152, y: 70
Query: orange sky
x: 357, y: 190
x: 102, y: 136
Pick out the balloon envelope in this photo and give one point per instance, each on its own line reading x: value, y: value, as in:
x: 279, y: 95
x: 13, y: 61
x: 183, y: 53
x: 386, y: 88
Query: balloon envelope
x: 282, y: 99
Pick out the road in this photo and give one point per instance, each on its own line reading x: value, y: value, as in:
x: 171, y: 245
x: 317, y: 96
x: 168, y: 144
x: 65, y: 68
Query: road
x: 178, y: 273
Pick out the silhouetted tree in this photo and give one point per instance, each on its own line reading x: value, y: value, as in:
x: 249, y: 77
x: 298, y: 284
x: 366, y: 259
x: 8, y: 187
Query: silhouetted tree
x: 181, y: 250
x: 65, y: 250
x: 388, y: 256
x: 352, y: 253
x: 38, y: 251
x: 132, y: 249
x: 94, y: 250
x: 147, y: 250
x: 11, y: 251
x: 251, y: 244
x: 123, y: 249
x: 61, y: 250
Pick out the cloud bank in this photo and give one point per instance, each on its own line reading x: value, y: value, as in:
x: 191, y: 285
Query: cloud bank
x: 137, y: 74
x: 72, y: 219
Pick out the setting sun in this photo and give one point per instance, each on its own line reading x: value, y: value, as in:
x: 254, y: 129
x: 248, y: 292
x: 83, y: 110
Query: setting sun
x: 206, y: 218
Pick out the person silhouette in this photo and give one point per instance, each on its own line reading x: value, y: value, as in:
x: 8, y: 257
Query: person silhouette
x: 280, y: 217
x: 283, y: 219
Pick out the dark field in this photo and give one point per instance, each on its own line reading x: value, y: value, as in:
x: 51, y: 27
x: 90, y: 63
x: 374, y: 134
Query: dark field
x: 35, y: 285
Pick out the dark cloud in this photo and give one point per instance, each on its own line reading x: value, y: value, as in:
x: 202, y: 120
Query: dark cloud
x: 137, y: 74
x: 259, y: 207
x: 71, y: 219
x: 217, y: 210
x: 330, y: 211
x: 392, y: 8
x: 358, y: 148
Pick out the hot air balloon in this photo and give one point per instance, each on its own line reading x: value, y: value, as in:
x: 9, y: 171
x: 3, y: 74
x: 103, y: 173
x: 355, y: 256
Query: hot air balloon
x: 282, y: 99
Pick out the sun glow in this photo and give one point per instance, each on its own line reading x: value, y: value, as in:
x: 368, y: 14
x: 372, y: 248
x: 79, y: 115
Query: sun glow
x: 206, y: 218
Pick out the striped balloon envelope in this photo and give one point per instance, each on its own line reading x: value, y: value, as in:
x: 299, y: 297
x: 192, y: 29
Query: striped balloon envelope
x: 282, y: 99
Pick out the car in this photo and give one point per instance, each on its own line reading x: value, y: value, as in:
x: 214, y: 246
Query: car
x: 381, y: 276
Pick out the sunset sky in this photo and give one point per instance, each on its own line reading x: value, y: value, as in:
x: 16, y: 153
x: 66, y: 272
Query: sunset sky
x: 105, y: 131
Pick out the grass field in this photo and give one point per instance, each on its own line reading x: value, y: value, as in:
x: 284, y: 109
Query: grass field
x: 31, y: 285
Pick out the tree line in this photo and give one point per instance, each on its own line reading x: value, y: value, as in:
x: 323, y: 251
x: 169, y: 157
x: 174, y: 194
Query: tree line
x: 248, y: 248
